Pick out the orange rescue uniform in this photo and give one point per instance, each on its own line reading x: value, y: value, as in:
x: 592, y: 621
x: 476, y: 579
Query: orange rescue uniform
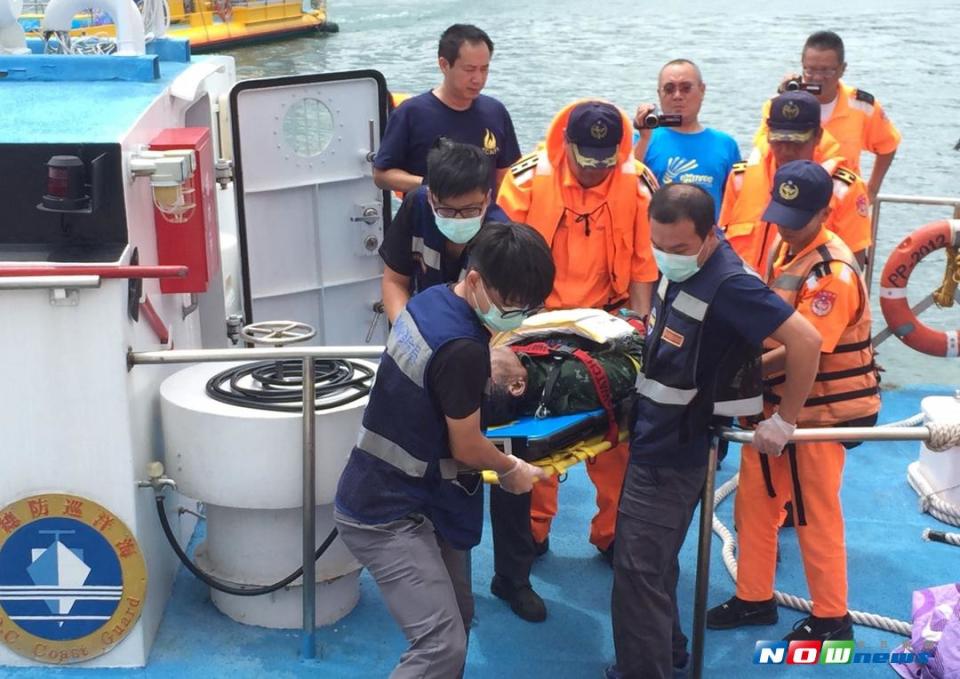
x: 823, y: 283
x: 600, y: 239
x: 747, y: 194
x: 858, y: 123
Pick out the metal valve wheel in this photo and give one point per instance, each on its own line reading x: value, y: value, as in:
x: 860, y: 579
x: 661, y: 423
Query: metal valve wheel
x: 277, y: 333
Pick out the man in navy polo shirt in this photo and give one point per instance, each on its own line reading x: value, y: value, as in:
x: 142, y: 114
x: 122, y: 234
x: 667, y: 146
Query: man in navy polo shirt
x: 708, y: 310
x: 455, y: 109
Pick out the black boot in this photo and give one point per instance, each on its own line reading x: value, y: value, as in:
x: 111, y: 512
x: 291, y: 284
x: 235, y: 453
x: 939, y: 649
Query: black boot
x: 737, y: 613
x: 523, y: 601
x: 541, y: 548
x: 813, y: 628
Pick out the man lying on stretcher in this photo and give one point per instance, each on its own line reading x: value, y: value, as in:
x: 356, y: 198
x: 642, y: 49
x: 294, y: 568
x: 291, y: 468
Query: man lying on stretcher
x: 563, y: 362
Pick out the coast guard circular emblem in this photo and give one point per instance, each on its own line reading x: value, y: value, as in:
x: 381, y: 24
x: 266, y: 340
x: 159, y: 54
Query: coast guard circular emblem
x: 72, y: 579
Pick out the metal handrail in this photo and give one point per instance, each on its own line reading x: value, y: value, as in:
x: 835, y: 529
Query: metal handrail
x: 308, y: 355
x: 222, y: 355
x: 838, y: 434
x: 902, y: 199
x: 49, y: 282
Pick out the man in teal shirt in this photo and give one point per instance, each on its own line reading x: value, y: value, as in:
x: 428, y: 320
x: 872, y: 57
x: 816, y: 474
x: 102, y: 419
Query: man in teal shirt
x: 690, y: 153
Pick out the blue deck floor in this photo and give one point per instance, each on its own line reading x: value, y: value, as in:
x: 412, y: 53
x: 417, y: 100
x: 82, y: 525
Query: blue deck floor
x: 887, y: 562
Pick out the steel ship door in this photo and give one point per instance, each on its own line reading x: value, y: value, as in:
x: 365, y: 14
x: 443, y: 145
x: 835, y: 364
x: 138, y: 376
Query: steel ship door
x: 310, y: 219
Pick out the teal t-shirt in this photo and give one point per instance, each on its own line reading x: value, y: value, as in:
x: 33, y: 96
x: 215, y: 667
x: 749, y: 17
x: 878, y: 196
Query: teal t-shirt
x: 703, y: 158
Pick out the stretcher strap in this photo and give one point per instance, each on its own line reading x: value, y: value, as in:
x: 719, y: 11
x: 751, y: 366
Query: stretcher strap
x: 601, y: 382
x: 602, y: 385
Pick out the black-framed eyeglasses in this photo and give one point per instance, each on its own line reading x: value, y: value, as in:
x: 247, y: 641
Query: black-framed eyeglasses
x: 468, y: 212
x: 671, y: 88
x: 512, y: 313
x: 521, y: 313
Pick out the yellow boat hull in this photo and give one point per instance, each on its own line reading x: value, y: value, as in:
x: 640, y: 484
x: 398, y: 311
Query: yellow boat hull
x: 218, y: 25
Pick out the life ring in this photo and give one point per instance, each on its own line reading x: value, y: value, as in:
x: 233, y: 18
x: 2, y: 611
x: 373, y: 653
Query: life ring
x: 893, y: 291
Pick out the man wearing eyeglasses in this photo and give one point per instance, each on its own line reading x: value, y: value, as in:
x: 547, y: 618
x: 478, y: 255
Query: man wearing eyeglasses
x: 588, y: 198
x: 426, y: 242
x: 794, y: 133
x: 852, y: 116
x: 690, y: 153
x: 409, y: 503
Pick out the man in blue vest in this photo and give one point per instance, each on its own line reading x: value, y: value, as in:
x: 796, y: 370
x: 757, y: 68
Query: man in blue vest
x: 426, y: 242
x: 409, y: 504
x: 708, y: 307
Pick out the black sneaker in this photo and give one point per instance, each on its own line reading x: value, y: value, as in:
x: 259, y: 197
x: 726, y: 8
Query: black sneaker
x: 541, y: 548
x: 813, y: 628
x: 523, y: 601
x: 737, y: 613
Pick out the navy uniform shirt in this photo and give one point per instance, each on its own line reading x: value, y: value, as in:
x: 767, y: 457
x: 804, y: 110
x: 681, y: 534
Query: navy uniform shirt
x: 414, y: 126
x: 744, y: 310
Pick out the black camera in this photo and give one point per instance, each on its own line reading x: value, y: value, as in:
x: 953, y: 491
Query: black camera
x: 652, y: 120
x: 798, y: 85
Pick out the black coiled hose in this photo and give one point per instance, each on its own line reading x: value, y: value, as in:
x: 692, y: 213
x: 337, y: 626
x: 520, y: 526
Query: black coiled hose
x: 231, y: 587
x: 280, y: 383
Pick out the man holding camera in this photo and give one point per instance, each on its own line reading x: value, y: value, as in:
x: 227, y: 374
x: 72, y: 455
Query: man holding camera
x: 588, y: 198
x: 681, y: 150
x: 854, y: 117
x: 794, y: 133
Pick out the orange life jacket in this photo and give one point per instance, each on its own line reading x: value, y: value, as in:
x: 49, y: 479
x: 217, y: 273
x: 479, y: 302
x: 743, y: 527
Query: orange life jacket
x: 846, y: 388
x: 547, y: 206
x: 858, y: 123
x: 747, y: 195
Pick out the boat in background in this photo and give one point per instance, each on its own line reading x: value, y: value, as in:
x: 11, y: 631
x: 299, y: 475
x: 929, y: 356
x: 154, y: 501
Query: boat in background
x: 209, y: 25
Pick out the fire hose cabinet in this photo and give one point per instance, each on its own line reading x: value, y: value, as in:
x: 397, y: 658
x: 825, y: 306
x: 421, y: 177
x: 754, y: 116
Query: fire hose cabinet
x: 185, y: 211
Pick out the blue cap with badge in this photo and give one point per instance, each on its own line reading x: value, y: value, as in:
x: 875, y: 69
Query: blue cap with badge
x: 794, y: 117
x: 800, y: 190
x: 595, y: 129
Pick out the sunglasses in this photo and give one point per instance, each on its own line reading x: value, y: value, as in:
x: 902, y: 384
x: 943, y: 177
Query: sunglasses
x: 671, y: 88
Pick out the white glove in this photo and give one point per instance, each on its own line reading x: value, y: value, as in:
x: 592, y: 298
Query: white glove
x: 772, y: 435
x: 520, y: 478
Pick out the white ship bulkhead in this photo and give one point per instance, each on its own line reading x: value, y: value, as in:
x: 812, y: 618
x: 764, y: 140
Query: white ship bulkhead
x: 299, y: 238
x: 74, y: 418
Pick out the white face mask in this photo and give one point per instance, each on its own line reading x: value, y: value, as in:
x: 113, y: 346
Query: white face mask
x: 677, y: 268
x: 460, y: 230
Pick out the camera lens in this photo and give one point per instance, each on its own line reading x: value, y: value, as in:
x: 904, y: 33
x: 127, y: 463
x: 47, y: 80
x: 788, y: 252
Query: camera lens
x: 651, y: 120
x: 793, y: 85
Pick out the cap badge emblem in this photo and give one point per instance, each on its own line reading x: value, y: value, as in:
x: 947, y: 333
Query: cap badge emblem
x: 788, y: 190
x: 790, y: 110
x: 598, y: 130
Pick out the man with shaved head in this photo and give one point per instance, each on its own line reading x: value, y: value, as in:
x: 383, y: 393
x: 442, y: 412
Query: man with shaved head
x: 690, y: 153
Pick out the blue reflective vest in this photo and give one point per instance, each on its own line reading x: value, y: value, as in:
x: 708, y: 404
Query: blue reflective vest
x: 678, y: 401
x: 429, y: 244
x: 402, y: 463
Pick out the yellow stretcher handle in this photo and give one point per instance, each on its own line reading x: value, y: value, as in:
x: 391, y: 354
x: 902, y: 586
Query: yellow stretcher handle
x: 562, y: 460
